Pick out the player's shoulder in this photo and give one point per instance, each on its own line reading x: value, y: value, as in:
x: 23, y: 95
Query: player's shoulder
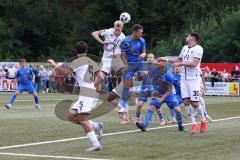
x: 198, y: 47
x: 169, y: 75
x: 142, y: 40
x: 128, y: 38
x: 106, y: 31
x: 185, y: 47
x: 122, y: 35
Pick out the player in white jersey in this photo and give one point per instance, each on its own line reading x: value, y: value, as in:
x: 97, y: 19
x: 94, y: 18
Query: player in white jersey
x: 190, y: 60
x: 201, y: 94
x: 111, y: 59
x: 84, y: 68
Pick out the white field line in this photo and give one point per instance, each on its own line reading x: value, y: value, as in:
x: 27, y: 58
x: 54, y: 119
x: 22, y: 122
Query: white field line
x: 107, y: 134
x: 30, y: 100
x: 47, y: 156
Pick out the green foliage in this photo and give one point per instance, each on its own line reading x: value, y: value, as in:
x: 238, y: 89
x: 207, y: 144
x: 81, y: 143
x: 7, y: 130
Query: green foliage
x: 41, y: 29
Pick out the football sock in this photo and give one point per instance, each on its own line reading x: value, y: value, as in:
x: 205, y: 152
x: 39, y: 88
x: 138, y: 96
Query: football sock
x: 138, y: 114
x: 179, y: 118
x: 94, y: 124
x: 192, y: 111
x: 92, y: 139
x: 36, y: 99
x: 200, y: 109
x: 148, y: 117
x: 202, y: 102
x: 12, y: 99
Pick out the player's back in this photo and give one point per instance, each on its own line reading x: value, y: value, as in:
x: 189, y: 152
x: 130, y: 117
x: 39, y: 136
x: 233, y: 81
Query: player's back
x: 161, y: 82
x: 84, y: 67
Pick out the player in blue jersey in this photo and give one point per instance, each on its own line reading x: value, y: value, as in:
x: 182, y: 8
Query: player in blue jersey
x: 163, y: 84
x: 25, y: 78
x: 133, y: 49
x: 146, y: 91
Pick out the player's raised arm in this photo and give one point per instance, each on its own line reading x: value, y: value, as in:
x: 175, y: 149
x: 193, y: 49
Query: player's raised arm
x: 59, y: 69
x: 192, y: 63
x: 96, y: 35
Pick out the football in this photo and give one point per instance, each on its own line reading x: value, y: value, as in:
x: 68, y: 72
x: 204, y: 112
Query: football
x: 125, y: 17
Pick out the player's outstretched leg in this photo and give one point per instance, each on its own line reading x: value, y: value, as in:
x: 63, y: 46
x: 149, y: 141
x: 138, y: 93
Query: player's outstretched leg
x: 179, y: 118
x: 98, y: 127
x: 9, y: 105
x: 36, y: 100
x: 161, y: 117
x: 147, y: 119
x: 82, y: 119
x: 204, y: 109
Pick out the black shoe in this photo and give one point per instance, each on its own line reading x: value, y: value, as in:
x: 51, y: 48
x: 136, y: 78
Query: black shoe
x: 140, y: 126
x: 182, y: 129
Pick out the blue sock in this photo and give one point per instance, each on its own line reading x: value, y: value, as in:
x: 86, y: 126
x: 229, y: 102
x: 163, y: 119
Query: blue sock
x: 36, y: 99
x: 138, y: 114
x: 124, y: 104
x: 148, y: 117
x: 160, y: 115
x: 125, y: 94
x: 12, y: 99
x: 179, y: 118
x: 173, y: 113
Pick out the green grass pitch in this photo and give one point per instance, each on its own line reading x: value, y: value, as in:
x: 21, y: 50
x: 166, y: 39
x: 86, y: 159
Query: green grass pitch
x: 23, y: 124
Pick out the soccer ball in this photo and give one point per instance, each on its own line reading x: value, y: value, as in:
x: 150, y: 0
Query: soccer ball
x: 125, y: 17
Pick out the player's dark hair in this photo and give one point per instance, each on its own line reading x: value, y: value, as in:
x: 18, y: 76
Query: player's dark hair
x: 136, y: 27
x: 81, y: 47
x: 22, y: 60
x: 195, y: 35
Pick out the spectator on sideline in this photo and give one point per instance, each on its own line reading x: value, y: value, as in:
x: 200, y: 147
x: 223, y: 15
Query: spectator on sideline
x: 207, y: 74
x: 214, y: 76
x: 37, y: 78
x: 12, y: 72
x: 235, y: 72
x: 3, y: 74
x: 43, y: 73
x: 225, y: 76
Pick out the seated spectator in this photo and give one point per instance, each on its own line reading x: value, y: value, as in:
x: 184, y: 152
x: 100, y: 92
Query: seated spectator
x: 214, y: 76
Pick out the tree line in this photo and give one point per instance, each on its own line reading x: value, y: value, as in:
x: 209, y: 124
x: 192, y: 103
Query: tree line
x: 40, y: 29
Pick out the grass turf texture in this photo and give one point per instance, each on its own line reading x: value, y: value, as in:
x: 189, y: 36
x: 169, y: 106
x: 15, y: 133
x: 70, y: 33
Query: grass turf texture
x: 24, y: 124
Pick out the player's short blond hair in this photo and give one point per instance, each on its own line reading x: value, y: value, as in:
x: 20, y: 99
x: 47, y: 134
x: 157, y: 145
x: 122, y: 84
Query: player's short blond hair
x: 118, y: 23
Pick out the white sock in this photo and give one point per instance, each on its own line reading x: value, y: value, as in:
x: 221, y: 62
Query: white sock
x: 200, y: 109
x: 93, y: 139
x: 202, y: 102
x: 188, y: 109
x: 192, y: 113
x: 94, y: 124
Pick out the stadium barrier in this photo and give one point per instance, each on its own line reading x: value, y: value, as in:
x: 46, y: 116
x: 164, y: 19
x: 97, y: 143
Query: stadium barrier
x: 223, y: 89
